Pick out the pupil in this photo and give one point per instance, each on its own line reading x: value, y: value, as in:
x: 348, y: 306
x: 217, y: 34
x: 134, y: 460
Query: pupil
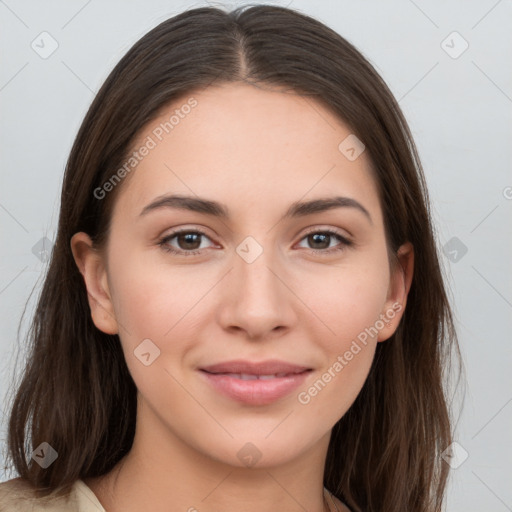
x: 315, y: 239
x: 189, y: 239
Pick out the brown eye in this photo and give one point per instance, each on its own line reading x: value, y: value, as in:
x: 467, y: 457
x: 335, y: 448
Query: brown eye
x: 320, y: 241
x: 188, y: 242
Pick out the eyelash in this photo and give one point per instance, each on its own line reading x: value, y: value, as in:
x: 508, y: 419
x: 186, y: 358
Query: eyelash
x: 163, y: 243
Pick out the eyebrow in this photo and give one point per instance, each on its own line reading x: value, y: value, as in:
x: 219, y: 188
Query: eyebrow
x: 215, y: 209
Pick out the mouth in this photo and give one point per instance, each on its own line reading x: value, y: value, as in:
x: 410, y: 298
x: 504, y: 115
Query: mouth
x: 255, y: 383
x: 251, y: 376
x: 269, y: 368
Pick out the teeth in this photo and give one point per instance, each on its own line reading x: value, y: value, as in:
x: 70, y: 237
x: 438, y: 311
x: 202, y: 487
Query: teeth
x: 246, y: 376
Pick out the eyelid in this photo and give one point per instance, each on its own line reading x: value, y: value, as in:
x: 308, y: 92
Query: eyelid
x: 186, y: 229
x: 338, y: 231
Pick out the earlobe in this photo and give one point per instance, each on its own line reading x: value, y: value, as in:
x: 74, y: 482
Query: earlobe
x: 399, y: 286
x: 91, y: 265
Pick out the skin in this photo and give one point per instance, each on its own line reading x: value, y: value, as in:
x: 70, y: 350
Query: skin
x: 256, y: 151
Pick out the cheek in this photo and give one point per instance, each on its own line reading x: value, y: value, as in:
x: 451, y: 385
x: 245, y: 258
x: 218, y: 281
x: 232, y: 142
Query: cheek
x: 152, y: 300
x: 348, y: 354
x: 331, y: 393
x: 346, y: 301
x: 161, y: 305
x: 154, y: 303
x: 349, y: 307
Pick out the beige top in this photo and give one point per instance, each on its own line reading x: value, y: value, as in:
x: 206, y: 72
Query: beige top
x: 17, y: 496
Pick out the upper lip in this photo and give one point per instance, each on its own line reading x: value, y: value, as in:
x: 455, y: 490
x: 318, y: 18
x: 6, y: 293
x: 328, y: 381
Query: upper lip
x: 269, y: 367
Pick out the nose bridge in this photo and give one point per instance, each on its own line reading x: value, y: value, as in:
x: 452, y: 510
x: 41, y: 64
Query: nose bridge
x: 256, y: 283
x: 257, y: 300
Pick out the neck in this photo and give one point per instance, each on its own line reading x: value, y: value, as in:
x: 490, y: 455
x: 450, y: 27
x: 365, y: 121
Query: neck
x: 161, y: 469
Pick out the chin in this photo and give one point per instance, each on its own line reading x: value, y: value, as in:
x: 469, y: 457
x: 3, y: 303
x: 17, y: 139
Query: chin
x: 258, y: 451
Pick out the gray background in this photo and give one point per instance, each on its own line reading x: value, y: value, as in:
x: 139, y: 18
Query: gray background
x: 458, y: 105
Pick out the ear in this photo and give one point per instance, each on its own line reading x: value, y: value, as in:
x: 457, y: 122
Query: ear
x: 91, y: 264
x: 399, y: 286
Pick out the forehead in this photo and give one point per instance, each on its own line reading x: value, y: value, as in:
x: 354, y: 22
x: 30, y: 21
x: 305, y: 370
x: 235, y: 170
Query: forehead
x: 248, y: 147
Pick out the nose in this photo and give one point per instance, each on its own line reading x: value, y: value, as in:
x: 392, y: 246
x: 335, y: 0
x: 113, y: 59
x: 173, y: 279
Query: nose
x: 256, y: 298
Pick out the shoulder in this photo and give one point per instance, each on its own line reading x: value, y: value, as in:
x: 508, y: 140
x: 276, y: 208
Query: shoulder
x: 17, y: 495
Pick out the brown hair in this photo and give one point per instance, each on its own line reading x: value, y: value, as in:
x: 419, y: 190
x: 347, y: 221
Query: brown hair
x: 77, y: 393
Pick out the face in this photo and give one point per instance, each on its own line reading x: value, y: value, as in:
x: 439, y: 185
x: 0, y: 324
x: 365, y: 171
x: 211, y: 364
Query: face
x: 312, y: 288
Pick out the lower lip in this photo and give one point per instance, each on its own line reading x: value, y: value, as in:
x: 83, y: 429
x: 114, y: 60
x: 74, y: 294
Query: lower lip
x: 255, y: 392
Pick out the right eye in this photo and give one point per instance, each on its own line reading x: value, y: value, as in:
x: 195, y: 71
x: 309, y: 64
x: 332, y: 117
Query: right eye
x: 186, y: 238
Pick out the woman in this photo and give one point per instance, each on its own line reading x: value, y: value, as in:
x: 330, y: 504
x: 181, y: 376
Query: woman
x: 244, y: 306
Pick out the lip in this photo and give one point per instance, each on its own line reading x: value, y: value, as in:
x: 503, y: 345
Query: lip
x: 269, y: 367
x: 255, y: 391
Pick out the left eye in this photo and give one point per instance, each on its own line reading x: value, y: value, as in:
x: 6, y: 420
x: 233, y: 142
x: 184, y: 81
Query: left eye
x: 325, y: 237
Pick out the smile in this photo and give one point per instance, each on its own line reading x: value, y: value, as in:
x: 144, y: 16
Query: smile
x: 255, y: 389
